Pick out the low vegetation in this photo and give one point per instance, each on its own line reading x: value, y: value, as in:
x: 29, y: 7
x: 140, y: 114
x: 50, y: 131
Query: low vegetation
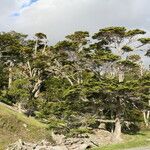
x: 14, y: 126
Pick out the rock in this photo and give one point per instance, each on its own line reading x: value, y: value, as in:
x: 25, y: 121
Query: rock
x: 44, y: 142
x: 59, y: 148
x: 85, y: 146
x: 44, y: 145
x: 102, y: 126
x: 58, y: 138
x: 25, y: 125
x: 100, y: 137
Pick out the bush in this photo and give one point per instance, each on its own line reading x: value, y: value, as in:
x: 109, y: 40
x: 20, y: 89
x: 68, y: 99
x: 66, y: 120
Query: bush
x: 132, y: 128
x: 78, y: 131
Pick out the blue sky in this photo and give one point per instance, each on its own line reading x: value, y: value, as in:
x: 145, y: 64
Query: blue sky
x: 28, y: 3
x: 24, y: 4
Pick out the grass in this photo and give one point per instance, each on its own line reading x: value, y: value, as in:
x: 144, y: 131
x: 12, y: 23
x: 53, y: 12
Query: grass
x: 130, y: 141
x: 14, y: 126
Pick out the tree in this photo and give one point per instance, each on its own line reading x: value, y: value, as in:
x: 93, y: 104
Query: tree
x: 120, y: 41
x: 20, y: 93
x: 10, y: 50
x: 40, y: 43
x: 80, y: 83
x: 145, y: 97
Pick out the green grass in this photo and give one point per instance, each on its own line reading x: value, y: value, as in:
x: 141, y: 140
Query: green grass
x: 14, y: 126
x: 130, y: 141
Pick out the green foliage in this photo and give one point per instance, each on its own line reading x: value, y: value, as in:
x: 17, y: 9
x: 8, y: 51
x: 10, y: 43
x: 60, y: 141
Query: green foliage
x: 56, y: 124
x: 77, y: 81
x: 40, y: 35
x: 134, y: 58
x: 11, y: 45
x: 145, y: 40
x: 78, y: 37
x: 128, y: 63
x: 148, y: 53
x: 79, y: 131
x: 3, y: 75
x: 20, y: 90
x: 134, y: 32
x: 105, y: 56
x: 110, y: 31
x: 127, y: 49
x: 64, y: 46
x: 55, y: 88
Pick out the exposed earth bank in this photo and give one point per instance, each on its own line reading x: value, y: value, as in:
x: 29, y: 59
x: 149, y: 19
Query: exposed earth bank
x: 98, y: 138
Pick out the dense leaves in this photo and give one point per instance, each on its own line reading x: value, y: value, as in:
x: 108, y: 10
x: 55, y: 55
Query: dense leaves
x: 80, y: 82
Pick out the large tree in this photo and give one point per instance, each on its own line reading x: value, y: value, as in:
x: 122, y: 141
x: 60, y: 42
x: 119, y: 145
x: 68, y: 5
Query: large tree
x: 81, y: 80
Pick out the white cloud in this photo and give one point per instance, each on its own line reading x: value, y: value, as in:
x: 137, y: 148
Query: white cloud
x: 58, y: 18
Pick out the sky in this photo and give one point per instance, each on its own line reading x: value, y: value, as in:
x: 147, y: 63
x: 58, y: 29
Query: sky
x: 58, y: 18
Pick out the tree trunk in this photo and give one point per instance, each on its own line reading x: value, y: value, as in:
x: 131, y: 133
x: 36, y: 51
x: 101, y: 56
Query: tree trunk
x: 117, y: 131
x: 69, y: 80
x: 36, y: 95
x: 36, y: 89
x: 29, y: 67
x: 44, y: 47
x: 112, y: 125
x: 146, y: 115
x: 36, y: 46
x: 10, y: 75
x: 102, y: 124
x: 141, y: 68
x: 121, y: 76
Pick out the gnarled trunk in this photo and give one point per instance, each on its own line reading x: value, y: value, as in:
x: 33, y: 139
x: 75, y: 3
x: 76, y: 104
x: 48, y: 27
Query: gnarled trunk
x: 121, y: 76
x: 45, y: 45
x: 36, y: 89
x: 117, y: 131
x: 29, y: 67
x: 146, y: 116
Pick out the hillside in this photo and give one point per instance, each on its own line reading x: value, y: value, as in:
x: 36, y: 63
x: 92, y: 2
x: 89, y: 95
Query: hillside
x: 14, y: 126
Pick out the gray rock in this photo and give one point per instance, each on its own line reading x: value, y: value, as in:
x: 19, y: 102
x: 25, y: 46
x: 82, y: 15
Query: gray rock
x: 85, y: 146
x: 100, y: 137
x: 59, y: 148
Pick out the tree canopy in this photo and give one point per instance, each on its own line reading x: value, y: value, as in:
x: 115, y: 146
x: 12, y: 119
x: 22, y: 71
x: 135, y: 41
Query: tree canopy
x: 79, y: 81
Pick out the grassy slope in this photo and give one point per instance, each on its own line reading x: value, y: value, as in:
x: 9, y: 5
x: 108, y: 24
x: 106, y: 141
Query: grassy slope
x: 139, y: 140
x: 14, y: 126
